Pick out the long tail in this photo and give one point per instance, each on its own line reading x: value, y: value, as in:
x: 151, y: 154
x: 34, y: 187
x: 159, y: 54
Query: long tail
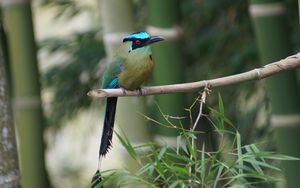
x: 107, y: 133
x: 109, y: 120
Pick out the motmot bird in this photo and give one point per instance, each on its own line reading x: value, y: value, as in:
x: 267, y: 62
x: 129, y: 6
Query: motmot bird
x: 129, y: 69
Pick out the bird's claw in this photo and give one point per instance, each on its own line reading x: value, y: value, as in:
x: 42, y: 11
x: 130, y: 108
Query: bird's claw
x: 123, y: 90
x: 140, y: 90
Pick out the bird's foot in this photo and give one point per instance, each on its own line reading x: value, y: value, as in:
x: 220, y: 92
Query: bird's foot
x: 123, y: 90
x: 140, y: 90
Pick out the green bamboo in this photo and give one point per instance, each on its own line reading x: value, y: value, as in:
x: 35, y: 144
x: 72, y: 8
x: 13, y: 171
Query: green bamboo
x: 9, y: 168
x: 299, y: 9
x: 273, y: 42
x: 168, y: 60
x: 118, y: 21
x: 26, y: 92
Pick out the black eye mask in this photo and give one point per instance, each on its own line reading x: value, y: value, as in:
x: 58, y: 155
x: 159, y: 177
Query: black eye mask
x: 138, y: 43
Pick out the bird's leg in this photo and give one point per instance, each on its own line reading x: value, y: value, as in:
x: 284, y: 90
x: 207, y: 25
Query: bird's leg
x: 140, y: 90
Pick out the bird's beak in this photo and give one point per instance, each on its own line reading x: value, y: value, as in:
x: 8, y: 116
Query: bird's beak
x: 154, y: 39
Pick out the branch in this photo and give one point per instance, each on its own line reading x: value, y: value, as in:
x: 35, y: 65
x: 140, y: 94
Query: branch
x: 193, y: 128
x: 289, y: 63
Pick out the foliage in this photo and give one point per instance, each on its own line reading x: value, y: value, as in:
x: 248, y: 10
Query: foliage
x: 219, y: 41
x: 70, y: 80
x: 221, y: 28
x: 233, y: 164
x: 69, y: 8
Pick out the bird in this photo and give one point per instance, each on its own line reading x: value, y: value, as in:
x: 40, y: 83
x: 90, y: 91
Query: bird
x: 129, y: 68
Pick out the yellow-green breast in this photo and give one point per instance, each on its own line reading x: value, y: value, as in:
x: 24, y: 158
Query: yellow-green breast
x: 137, y: 69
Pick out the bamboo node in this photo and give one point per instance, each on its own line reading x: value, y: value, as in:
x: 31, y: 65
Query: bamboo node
x: 292, y: 120
x: 267, y: 9
x: 172, y: 33
x: 7, y: 3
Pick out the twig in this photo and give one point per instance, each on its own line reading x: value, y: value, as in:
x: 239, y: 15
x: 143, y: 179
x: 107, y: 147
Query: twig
x: 202, y: 101
x: 193, y: 126
x: 289, y: 63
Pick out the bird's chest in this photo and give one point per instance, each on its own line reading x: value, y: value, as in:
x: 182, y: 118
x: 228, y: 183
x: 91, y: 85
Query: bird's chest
x: 136, y: 72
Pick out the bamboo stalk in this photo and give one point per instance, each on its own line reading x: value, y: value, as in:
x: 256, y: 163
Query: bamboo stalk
x: 163, y: 21
x: 272, y: 34
x: 9, y: 167
x: 289, y: 63
x: 26, y: 92
x: 299, y: 10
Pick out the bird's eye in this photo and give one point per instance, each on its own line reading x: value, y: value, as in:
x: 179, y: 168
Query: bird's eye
x: 138, y: 42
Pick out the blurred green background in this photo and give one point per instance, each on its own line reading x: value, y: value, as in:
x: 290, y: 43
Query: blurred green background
x: 217, y: 38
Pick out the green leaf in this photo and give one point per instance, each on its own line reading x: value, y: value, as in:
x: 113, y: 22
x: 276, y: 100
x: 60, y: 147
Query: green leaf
x: 161, y: 153
x: 181, y: 144
x: 174, y: 184
x: 218, y: 120
x: 221, y: 105
x: 158, y: 167
x: 239, y: 151
x: 178, y: 141
x: 182, y: 171
x: 281, y: 157
x: 255, y: 166
x: 179, y: 157
x: 144, y: 169
x: 263, y: 164
x: 218, y: 175
x: 127, y: 145
x: 203, y: 170
x: 256, y: 150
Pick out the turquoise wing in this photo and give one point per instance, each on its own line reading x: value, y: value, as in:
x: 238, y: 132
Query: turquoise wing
x: 110, y: 78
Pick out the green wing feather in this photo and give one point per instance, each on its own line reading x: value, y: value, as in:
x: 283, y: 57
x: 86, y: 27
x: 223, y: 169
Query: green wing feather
x: 112, y: 72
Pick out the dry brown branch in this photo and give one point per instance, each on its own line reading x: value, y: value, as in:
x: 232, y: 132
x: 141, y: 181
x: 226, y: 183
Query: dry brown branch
x: 289, y: 63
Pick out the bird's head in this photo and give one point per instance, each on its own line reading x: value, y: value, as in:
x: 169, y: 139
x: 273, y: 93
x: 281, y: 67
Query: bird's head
x: 140, y: 40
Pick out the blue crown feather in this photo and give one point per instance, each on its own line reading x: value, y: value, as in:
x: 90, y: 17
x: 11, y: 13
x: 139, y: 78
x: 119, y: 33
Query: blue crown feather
x: 137, y: 35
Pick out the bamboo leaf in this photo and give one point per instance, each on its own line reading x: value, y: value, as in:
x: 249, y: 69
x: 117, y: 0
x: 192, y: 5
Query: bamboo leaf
x: 178, y: 141
x: 239, y: 151
x: 255, y: 166
x: 281, y: 157
x: 182, y: 171
x: 203, y: 170
x: 127, y: 145
x: 261, y: 164
x: 174, y: 184
x: 144, y: 169
x: 158, y: 167
x: 179, y: 157
x: 221, y: 105
x: 161, y: 153
x: 219, y: 120
x: 218, y: 175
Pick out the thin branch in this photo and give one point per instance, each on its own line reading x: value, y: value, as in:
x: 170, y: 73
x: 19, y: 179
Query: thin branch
x: 201, y: 102
x: 193, y: 127
x: 289, y: 63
